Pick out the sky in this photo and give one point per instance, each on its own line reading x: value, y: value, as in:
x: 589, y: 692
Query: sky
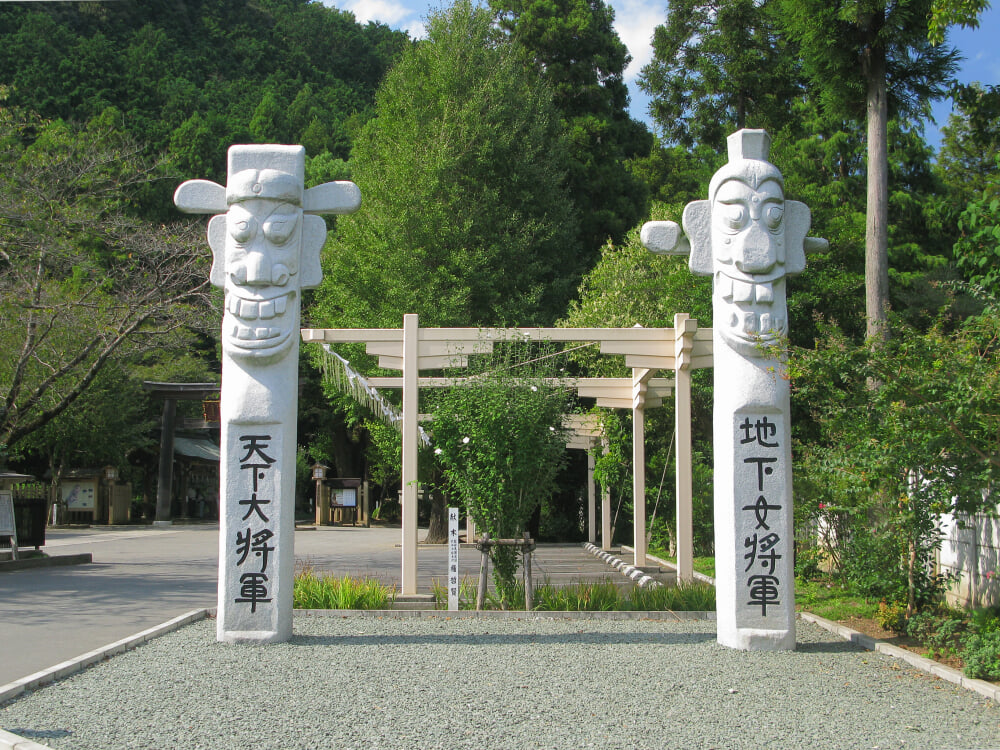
x: 636, y: 19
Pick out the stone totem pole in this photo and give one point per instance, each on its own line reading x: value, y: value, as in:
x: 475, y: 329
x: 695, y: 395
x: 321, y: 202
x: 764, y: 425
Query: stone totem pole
x: 748, y: 238
x: 266, y: 240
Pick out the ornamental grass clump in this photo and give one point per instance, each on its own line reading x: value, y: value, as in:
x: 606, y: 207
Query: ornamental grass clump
x: 312, y: 591
x: 685, y: 597
x: 601, y: 596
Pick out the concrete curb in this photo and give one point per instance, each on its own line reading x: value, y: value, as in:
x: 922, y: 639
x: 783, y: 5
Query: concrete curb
x: 10, y: 741
x: 71, y: 666
x: 986, y: 689
x: 667, y: 564
x: 46, y: 562
x: 496, y: 614
x: 640, y: 577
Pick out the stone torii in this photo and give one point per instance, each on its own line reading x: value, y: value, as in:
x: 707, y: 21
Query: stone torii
x: 266, y: 239
x: 748, y: 238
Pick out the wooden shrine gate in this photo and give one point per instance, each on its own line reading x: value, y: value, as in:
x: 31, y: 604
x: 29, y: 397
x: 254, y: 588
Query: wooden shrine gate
x: 683, y: 348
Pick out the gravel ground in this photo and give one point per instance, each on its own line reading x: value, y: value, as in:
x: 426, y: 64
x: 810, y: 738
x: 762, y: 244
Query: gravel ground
x: 437, y: 683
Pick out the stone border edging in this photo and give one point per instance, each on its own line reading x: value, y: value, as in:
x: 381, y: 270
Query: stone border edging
x: 509, y: 614
x: 84, y: 558
x: 986, y: 689
x: 10, y: 741
x: 71, y: 666
x: 640, y: 578
x: 673, y: 566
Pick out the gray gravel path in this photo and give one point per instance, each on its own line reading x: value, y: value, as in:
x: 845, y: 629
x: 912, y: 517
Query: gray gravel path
x: 433, y: 682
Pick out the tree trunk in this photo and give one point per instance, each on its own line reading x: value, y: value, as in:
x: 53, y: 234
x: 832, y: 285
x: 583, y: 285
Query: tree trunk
x: 437, y: 527
x: 877, y: 220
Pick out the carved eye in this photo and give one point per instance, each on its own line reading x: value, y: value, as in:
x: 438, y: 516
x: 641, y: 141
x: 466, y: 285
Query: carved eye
x: 278, y: 228
x: 734, y: 215
x: 772, y: 216
x: 242, y: 230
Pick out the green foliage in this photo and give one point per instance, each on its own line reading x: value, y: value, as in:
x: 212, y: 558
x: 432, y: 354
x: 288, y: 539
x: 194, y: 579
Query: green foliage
x: 940, y: 632
x: 689, y: 597
x: 831, y: 600
x: 322, y: 591
x: 198, y: 77
x: 891, y: 616
x: 981, y: 655
x: 83, y: 281
x: 466, y: 217
x: 845, y: 44
x: 500, y: 439
x: 718, y: 67
x: 889, y: 461
x: 945, y: 13
x: 581, y: 597
x: 576, y: 50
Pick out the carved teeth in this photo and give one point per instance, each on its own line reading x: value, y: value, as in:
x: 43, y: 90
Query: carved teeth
x: 726, y: 287
x: 280, y: 303
x: 765, y: 292
x: 742, y: 292
x: 750, y: 322
x: 765, y: 322
x: 266, y: 310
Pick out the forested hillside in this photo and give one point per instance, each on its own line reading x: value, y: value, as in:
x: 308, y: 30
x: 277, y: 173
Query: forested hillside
x: 191, y: 77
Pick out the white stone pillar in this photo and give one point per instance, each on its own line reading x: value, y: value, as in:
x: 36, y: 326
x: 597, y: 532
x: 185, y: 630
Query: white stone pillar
x: 748, y: 238
x: 265, y: 241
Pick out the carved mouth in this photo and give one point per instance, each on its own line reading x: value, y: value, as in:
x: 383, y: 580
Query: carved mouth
x: 752, y: 316
x: 256, y: 323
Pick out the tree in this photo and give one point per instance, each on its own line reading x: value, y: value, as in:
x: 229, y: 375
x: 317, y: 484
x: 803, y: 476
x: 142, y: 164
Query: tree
x: 466, y: 219
x: 500, y: 439
x: 867, y: 60
x: 719, y: 66
x: 574, y: 47
x: 891, y: 461
x: 81, y: 280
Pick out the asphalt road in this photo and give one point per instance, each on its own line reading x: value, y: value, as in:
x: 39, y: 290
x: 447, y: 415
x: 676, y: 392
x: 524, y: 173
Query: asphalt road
x: 143, y: 576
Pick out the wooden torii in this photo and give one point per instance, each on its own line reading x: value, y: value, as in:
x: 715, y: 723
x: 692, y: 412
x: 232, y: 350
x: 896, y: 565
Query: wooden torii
x: 683, y: 348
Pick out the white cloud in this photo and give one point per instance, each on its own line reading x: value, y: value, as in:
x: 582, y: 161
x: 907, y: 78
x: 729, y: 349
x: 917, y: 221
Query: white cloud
x: 635, y: 21
x: 386, y: 11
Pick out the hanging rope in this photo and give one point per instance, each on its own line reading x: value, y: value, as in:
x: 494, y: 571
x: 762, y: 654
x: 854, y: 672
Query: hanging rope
x: 338, y: 373
x: 659, y: 492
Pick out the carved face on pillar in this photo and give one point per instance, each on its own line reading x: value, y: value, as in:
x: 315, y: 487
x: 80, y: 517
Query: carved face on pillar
x: 266, y: 239
x: 748, y: 238
x: 748, y: 235
x: 261, y: 256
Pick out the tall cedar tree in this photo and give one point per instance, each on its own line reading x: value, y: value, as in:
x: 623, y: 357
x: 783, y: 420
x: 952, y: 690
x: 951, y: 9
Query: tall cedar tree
x: 869, y: 60
x: 574, y: 46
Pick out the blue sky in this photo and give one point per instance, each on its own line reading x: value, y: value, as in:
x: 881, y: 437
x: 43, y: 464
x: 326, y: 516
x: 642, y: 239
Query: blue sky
x: 636, y: 19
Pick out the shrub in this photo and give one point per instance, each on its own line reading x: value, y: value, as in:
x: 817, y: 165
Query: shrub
x: 940, y: 632
x: 982, y: 655
x: 891, y: 616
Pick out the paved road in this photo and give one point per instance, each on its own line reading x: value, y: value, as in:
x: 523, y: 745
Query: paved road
x: 142, y: 576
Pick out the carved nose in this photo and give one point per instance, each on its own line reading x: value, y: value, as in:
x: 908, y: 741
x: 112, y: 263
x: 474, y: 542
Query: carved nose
x: 257, y: 270
x: 755, y: 250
